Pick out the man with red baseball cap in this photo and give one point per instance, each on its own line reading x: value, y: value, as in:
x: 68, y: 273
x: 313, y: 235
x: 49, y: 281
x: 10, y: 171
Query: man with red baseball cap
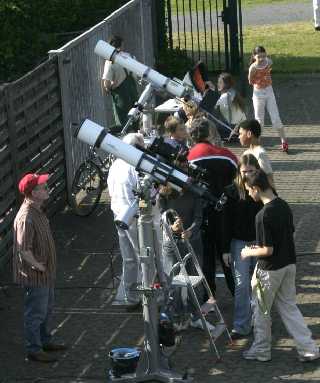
x: 30, y: 181
x: 34, y: 267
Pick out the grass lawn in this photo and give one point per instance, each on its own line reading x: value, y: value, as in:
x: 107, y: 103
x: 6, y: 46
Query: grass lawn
x: 294, y: 47
x: 205, y: 4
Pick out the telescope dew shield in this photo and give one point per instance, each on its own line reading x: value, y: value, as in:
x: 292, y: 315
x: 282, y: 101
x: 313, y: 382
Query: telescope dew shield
x: 158, y: 80
x: 89, y: 132
x: 108, y: 52
x: 105, y: 50
x: 95, y: 135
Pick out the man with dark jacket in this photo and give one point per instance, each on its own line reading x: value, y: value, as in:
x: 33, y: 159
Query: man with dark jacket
x: 221, y: 166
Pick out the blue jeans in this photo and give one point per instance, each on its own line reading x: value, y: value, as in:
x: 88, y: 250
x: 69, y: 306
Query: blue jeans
x: 38, y: 305
x: 242, y: 270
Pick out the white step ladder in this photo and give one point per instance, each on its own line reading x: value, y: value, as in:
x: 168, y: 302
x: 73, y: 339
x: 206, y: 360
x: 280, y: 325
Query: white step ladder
x: 180, y: 278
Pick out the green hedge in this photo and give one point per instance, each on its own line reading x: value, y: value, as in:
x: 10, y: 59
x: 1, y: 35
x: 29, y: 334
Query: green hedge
x: 30, y: 28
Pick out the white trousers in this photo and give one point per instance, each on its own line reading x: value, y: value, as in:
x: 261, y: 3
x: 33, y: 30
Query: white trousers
x: 265, y: 99
x: 131, y: 272
x: 316, y: 12
x: 279, y: 289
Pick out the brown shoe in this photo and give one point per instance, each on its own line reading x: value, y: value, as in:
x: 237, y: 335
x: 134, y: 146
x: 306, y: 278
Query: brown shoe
x: 54, y: 347
x: 40, y: 356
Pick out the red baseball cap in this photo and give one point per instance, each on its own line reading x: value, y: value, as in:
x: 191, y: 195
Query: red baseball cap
x: 30, y: 181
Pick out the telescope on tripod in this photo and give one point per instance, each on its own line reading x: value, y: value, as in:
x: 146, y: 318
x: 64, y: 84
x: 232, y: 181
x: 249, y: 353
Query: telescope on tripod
x: 156, y: 82
x: 95, y: 135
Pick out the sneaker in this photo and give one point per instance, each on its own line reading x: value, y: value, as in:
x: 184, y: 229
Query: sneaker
x: 40, y: 356
x: 236, y: 335
x: 309, y: 356
x: 254, y: 355
x: 198, y: 324
x: 54, y: 347
x: 285, y: 147
x: 317, y: 28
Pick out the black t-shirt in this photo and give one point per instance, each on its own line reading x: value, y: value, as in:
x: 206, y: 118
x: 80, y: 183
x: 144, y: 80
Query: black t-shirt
x: 274, y: 228
x: 239, y: 217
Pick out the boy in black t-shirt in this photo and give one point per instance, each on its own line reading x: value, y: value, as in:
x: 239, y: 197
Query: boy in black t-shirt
x: 273, y: 281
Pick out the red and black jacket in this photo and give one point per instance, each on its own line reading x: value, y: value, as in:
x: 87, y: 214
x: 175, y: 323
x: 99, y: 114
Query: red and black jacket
x: 220, y: 163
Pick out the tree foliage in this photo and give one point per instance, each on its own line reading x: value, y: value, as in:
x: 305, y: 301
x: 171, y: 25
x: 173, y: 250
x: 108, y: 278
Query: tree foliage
x: 30, y: 28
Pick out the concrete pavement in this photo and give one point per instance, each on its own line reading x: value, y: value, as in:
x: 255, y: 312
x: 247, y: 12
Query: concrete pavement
x: 85, y: 319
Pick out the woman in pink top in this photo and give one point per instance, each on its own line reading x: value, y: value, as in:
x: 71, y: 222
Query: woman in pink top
x: 263, y: 95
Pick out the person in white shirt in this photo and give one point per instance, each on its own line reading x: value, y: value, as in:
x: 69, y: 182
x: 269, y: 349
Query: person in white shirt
x: 230, y: 104
x: 122, y: 181
x: 249, y: 136
x: 120, y: 83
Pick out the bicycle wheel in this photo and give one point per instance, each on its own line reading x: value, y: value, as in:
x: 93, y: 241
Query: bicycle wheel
x: 86, y: 189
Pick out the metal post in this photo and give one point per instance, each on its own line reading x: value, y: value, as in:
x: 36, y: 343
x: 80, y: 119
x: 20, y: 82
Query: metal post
x: 170, y: 24
x: 233, y: 35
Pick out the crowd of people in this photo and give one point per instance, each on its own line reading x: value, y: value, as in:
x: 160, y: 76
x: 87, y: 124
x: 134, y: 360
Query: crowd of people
x: 252, y: 237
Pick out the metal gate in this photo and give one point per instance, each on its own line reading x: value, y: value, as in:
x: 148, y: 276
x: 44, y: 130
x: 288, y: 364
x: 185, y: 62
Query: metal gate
x: 207, y: 30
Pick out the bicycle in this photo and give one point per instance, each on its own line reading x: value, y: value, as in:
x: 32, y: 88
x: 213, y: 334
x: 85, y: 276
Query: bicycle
x: 89, y: 181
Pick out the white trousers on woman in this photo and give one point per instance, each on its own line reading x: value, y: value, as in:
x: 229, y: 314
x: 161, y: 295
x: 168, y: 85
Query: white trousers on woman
x: 279, y: 290
x: 316, y: 12
x: 264, y: 99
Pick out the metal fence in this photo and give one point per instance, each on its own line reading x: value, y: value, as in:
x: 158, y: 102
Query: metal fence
x: 207, y: 30
x: 31, y: 140
x: 81, y: 71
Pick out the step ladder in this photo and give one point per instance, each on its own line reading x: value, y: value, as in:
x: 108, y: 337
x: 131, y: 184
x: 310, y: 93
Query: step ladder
x: 179, y: 277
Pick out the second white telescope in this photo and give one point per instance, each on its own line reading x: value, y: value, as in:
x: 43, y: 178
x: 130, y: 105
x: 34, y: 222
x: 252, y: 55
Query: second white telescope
x: 108, y: 52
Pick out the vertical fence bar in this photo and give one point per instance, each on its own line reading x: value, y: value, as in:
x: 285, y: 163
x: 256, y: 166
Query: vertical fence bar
x: 169, y: 24
x: 211, y: 35
x: 218, y: 35
x: 226, y: 35
x: 198, y: 32
x: 184, y: 26
x: 63, y: 64
x: 240, y: 33
x: 178, y: 23
x: 205, y: 31
x: 233, y: 35
x: 191, y: 29
x: 142, y: 23
x: 242, y: 75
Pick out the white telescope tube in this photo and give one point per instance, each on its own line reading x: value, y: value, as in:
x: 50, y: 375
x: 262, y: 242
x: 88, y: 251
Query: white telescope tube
x: 158, y: 80
x: 95, y: 135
